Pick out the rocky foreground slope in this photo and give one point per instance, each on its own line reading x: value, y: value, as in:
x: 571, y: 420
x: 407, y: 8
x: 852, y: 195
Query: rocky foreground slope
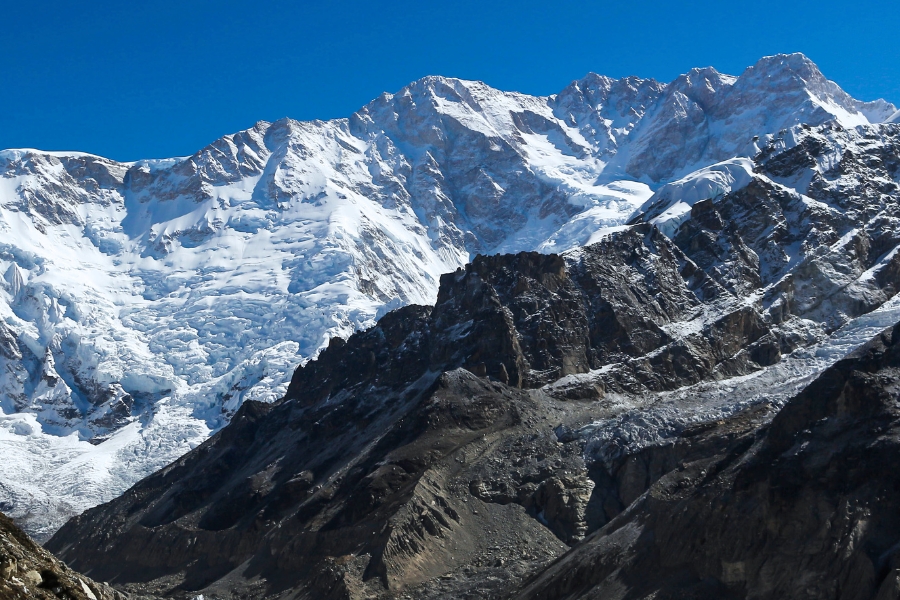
x: 28, y: 571
x: 611, y: 400
x: 141, y: 303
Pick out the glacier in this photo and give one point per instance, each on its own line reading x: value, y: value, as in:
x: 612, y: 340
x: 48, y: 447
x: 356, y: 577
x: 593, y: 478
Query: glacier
x: 141, y: 303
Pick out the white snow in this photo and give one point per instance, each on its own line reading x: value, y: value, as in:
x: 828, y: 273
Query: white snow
x: 671, y: 204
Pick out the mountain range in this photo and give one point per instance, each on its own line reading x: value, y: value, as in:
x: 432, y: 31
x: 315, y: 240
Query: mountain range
x: 710, y: 413
x: 712, y: 229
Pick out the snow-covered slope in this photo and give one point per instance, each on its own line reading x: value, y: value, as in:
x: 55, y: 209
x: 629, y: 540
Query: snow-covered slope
x: 141, y: 303
x: 672, y: 203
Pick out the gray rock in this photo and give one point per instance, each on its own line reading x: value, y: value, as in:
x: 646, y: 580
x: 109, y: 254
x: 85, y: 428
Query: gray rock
x: 8, y: 566
x: 32, y: 578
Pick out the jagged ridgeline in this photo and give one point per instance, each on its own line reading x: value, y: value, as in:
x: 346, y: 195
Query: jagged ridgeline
x: 458, y: 449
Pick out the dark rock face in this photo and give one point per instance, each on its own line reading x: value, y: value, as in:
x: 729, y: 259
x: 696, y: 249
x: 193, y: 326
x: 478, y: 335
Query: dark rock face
x: 386, y: 500
x: 530, y: 319
x: 536, y: 306
x: 28, y: 571
x: 805, y: 506
x: 718, y: 248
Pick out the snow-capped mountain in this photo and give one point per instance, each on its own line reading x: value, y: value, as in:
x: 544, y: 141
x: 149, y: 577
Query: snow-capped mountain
x: 142, y: 303
x: 547, y: 401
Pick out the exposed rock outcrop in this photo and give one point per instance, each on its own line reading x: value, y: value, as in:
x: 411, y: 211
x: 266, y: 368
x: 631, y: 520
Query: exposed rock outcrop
x: 28, y: 571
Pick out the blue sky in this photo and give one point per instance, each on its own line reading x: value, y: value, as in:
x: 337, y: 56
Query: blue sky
x: 152, y: 79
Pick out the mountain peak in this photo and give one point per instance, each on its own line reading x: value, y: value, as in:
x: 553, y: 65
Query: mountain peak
x: 796, y: 75
x: 795, y: 63
x: 787, y: 72
x: 439, y: 85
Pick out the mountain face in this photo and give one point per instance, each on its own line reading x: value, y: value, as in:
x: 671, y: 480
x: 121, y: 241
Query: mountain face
x: 670, y: 402
x: 796, y: 506
x: 141, y: 304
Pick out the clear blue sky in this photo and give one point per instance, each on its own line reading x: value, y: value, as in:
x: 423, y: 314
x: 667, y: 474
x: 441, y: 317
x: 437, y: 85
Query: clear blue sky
x: 134, y: 80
